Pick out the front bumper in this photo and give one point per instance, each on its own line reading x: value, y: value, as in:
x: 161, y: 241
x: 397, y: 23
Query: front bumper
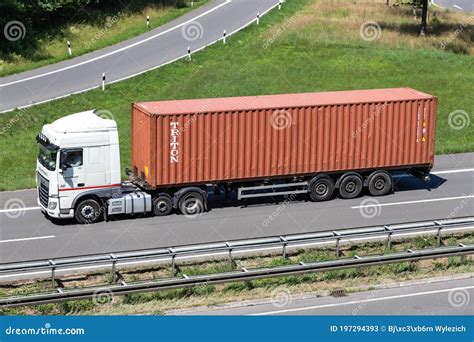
x: 54, y: 209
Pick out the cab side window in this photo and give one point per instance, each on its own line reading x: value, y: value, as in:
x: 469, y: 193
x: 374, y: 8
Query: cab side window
x: 73, y: 158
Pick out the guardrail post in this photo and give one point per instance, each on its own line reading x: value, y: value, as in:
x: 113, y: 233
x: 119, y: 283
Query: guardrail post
x: 389, y: 237
x: 114, y: 268
x: 284, y: 243
x: 173, y: 262
x: 338, y: 238
x: 231, y: 260
x: 440, y: 226
x: 53, y: 273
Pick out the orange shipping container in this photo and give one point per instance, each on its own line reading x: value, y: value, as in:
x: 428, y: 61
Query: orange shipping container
x: 275, y: 136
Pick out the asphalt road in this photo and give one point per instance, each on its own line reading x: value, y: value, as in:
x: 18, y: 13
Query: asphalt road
x: 449, y: 297
x: 165, y: 44
x: 25, y: 234
x: 456, y: 5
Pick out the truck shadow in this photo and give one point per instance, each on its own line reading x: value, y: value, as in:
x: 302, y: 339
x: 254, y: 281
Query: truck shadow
x: 216, y: 200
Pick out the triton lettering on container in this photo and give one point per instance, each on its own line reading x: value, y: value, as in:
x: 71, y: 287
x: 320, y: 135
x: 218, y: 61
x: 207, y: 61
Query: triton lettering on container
x: 319, y: 144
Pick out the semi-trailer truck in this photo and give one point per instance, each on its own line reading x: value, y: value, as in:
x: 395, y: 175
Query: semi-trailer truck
x: 318, y: 144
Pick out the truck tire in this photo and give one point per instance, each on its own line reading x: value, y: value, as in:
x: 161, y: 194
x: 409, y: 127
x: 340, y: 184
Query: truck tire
x: 379, y: 183
x: 162, y: 205
x: 321, y: 189
x: 191, y: 204
x: 350, y: 186
x: 88, y: 211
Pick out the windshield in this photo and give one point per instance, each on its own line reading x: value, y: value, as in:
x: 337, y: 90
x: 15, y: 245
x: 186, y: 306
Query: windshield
x: 47, y: 158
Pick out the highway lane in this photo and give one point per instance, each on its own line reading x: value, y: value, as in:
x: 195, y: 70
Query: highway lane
x: 448, y: 297
x: 26, y: 235
x: 160, y: 46
x: 455, y: 5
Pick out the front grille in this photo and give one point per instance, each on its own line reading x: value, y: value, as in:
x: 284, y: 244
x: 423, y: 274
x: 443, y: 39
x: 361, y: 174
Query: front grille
x: 43, y: 190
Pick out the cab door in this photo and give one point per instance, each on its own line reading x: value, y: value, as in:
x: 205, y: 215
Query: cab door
x: 72, y: 175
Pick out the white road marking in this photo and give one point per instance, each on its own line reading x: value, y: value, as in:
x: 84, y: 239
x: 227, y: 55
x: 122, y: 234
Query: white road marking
x: 28, y: 239
x: 451, y: 171
x: 18, y: 209
x: 412, y: 202
x: 121, y: 49
x: 361, y: 301
x: 458, y: 7
x: 383, y: 204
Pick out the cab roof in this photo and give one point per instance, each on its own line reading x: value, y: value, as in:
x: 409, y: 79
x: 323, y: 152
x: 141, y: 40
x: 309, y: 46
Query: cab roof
x: 82, y: 122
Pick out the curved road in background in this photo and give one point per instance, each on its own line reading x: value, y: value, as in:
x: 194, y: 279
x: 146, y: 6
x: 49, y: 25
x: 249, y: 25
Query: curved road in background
x: 455, y: 5
x: 160, y: 46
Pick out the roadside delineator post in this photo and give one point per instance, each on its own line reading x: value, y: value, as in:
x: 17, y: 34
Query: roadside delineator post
x: 148, y: 21
x: 189, y: 53
x: 279, y: 4
x: 69, y: 50
x: 223, y: 37
x: 103, y: 81
x: 258, y: 18
x: 192, y: 3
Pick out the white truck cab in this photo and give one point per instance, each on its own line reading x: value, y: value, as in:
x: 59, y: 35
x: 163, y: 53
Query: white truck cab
x: 78, y: 156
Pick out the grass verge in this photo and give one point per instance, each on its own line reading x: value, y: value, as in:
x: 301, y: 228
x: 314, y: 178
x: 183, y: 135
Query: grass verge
x: 310, y: 45
x: 353, y: 279
x: 104, y: 30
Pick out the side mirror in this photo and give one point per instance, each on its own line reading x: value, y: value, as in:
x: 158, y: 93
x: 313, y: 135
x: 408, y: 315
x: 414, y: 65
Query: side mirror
x: 62, y: 160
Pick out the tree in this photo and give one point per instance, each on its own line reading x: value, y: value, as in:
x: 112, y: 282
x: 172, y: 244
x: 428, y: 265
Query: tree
x: 424, y: 14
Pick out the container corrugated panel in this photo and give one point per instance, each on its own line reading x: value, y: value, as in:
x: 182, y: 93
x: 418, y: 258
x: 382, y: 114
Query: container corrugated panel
x: 242, y: 138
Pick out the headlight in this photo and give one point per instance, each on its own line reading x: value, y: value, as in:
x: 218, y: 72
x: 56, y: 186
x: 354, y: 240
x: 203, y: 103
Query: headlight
x: 52, y: 205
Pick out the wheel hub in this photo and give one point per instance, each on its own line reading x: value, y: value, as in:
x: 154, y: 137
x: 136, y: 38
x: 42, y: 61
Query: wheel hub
x: 379, y: 184
x: 350, y: 187
x: 87, y: 211
x: 321, y: 189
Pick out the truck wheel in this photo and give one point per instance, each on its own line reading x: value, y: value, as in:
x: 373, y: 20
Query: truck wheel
x: 350, y: 186
x: 162, y: 205
x: 88, y: 211
x: 380, y: 183
x: 321, y: 189
x: 191, y: 204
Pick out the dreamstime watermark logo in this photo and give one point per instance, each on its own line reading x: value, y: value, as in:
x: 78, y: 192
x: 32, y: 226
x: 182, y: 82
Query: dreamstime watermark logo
x: 14, y: 30
x: 457, y: 32
x: 458, y: 298
x: 193, y: 207
x: 104, y: 114
x: 279, y: 32
x: 110, y: 21
x: 192, y: 31
x: 458, y: 209
x: 361, y: 306
x: 281, y: 297
x: 370, y: 208
x: 279, y: 209
x: 370, y: 30
x: 14, y: 208
x: 13, y: 120
x: 281, y: 119
x: 102, y: 297
x: 369, y: 120
x: 458, y: 120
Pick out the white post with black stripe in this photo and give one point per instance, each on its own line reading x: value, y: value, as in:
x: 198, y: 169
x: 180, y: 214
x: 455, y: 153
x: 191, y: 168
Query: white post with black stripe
x: 224, y: 36
x: 258, y: 18
x: 189, y: 53
x: 69, y: 49
x: 103, y: 81
x: 147, y: 21
x: 279, y: 4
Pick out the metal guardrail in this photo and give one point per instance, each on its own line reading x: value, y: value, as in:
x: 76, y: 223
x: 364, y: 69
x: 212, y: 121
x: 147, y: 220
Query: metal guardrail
x: 242, y: 275
x: 284, y: 242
